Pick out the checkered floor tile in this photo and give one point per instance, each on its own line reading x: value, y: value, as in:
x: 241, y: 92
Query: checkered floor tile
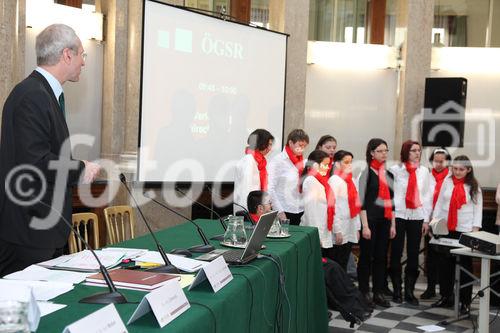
x: 406, y: 318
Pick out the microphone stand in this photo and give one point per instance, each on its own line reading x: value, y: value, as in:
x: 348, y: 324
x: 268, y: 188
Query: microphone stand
x: 245, y: 211
x: 168, y: 267
x: 224, y: 227
x: 206, y: 247
x: 111, y: 297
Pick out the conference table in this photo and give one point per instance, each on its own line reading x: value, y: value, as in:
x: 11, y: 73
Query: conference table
x: 247, y: 304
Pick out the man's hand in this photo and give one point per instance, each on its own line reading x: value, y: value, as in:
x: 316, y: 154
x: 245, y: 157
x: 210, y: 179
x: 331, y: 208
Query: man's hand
x: 91, y: 172
x: 338, y: 238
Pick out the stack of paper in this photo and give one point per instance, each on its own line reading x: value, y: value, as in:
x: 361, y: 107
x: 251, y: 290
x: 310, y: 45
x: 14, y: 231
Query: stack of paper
x: 182, y: 263
x: 38, y: 273
x: 84, y: 261
x: 42, y: 290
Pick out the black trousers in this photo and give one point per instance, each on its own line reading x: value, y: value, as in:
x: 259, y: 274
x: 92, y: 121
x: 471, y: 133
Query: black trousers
x: 14, y: 257
x: 411, y: 230
x: 446, y: 262
x: 431, y: 264
x: 373, y: 255
x: 340, y: 254
x: 294, y: 217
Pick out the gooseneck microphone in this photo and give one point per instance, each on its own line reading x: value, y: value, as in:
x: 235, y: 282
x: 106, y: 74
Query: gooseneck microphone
x: 246, y: 213
x: 224, y: 227
x: 168, y: 267
x: 207, y: 247
x: 113, y: 296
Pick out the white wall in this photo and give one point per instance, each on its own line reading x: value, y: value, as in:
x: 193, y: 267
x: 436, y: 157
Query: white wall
x: 83, y: 99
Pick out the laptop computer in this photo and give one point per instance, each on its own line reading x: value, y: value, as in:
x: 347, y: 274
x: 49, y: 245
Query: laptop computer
x: 241, y: 257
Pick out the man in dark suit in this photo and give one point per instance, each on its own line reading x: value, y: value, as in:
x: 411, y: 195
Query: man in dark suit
x: 37, y: 170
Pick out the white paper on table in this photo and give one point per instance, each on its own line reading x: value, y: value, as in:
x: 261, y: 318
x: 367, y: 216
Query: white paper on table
x: 431, y: 328
x: 42, y: 290
x: 39, y: 273
x: 182, y: 263
x: 49, y: 307
x: 85, y: 261
x: 22, y: 293
x: 127, y: 253
x: 104, y: 320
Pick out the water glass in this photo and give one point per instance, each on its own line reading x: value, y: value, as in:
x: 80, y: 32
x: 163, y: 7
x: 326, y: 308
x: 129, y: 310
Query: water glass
x: 275, y: 228
x: 285, y: 224
x: 240, y: 233
x: 14, y: 317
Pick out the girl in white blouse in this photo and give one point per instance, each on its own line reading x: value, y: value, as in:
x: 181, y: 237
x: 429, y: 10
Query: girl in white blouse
x: 251, y: 169
x: 413, y: 205
x: 346, y: 224
x: 460, y: 204
x: 319, y: 203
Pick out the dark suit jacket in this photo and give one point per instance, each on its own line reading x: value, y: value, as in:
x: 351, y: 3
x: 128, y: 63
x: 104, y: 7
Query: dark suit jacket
x: 33, y: 132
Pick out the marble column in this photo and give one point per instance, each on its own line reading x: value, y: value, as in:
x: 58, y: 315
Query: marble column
x: 292, y: 17
x: 12, y: 42
x: 415, y: 19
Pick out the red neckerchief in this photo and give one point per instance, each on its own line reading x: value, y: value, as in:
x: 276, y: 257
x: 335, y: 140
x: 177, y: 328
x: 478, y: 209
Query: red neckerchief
x: 255, y: 217
x: 383, y: 188
x: 261, y: 166
x: 458, y: 199
x: 439, y: 177
x: 297, y: 161
x: 330, y: 198
x: 352, y: 193
x: 412, y: 199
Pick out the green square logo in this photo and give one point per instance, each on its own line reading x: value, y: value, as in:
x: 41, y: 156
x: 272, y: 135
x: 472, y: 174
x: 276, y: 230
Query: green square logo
x: 184, y: 40
x: 163, y: 39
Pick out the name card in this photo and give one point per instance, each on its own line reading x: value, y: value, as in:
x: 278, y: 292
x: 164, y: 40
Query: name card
x: 217, y: 272
x: 105, y: 320
x: 167, y: 303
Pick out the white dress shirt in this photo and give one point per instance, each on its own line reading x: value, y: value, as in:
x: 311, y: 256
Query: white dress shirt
x: 284, y: 184
x: 343, y: 222
x: 468, y: 216
x: 401, y: 177
x: 315, y: 210
x: 53, y: 82
x: 246, y: 179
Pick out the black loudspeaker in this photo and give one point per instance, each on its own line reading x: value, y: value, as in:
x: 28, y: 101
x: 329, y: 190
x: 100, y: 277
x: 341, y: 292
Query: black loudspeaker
x: 444, y: 112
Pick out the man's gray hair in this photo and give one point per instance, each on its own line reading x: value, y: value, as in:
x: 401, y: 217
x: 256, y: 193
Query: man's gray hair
x: 51, y: 42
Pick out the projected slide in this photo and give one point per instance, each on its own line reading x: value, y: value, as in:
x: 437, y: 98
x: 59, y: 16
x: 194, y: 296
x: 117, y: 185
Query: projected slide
x: 206, y: 84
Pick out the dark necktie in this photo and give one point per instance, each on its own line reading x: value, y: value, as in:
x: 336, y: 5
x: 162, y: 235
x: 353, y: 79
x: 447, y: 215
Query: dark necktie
x: 61, y: 104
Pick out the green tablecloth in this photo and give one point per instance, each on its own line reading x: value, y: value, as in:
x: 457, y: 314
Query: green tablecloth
x: 246, y: 304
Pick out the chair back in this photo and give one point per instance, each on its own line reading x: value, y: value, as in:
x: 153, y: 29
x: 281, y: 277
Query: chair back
x: 85, y: 224
x: 120, y: 223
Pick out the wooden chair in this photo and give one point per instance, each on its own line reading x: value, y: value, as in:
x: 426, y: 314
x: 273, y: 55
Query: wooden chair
x: 83, y: 223
x: 120, y: 223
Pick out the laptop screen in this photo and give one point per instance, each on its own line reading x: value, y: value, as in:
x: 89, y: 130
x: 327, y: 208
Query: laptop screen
x: 259, y: 234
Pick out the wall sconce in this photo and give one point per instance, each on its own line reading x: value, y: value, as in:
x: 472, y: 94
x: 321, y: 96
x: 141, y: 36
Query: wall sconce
x: 466, y: 59
x: 86, y: 22
x: 351, y: 56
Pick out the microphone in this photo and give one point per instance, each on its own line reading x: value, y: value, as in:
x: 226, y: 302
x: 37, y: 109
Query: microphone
x: 168, y: 267
x: 206, y: 247
x: 113, y: 296
x: 246, y: 213
x: 224, y: 227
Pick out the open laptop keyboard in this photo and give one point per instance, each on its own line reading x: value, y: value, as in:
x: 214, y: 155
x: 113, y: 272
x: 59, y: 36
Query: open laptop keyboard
x: 233, y: 255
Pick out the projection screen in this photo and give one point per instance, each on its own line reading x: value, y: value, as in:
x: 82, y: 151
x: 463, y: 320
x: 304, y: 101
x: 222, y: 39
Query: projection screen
x: 206, y: 84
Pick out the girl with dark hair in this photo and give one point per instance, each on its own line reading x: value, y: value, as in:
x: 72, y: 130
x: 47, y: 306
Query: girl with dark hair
x: 319, y: 200
x: 377, y: 221
x: 412, y: 200
x: 440, y: 160
x: 251, y: 169
x: 328, y: 144
x: 460, y: 204
x: 347, y: 223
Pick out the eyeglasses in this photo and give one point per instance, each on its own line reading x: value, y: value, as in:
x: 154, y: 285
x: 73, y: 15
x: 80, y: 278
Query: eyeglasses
x: 381, y: 151
x: 84, y: 56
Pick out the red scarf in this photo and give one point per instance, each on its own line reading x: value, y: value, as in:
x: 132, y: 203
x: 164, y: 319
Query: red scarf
x: 261, y: 166
x: 458, y: 199
x: 439, y: 177
x: 352, y: 193
x: 383, y: 188
x: 330, y: 198
x: 412, y: 196
x: 255, y: 218
x: 298, y: 161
